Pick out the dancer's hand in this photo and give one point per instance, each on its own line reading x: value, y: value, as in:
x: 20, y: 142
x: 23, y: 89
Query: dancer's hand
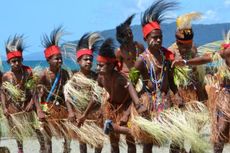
x: 6, y: 112
x: 81, y: 120
x: 141, y: 109
x: 41, y: 116
x: 71, y: 117
x: 179, y: 62
x: 29, y: 107
x: 179, y: 100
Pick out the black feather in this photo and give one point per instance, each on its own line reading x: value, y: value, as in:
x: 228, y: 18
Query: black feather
x: 107, y: 49
x: 54, y: 37
x: 15, y: 44
x: 122, y: 29
x: 83, y: 42
x: 88, y: 38
x: 156, y: 12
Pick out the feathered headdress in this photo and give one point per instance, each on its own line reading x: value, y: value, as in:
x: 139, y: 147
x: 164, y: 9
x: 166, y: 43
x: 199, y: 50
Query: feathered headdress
x: 121, y: 30
x: 88, y: 44
x: 14, y: 47
x: 155, y: 14
x: 184, y: 28
x: 106, y: 54
x: 107, y: 49
x: 51, y: 43
x: 226, y: 43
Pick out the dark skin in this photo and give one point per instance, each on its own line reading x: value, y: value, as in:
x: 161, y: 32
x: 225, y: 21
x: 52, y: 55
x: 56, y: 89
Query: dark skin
x: 128, y: 51
x: 46, y: 81
x: 108, y: 74
x: 188, y: 51
x: 223, y: 124
x: 49, y: 76
x: 85, y: 62
x: 154, y: 41
x: 18, y: 75
x: 207, y: 58
x: 1, y: 78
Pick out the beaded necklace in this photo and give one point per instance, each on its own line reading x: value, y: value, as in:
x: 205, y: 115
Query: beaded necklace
x: 153, y: 78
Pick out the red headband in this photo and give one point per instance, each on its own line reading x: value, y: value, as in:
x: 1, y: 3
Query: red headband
x: 185, y: 41
x: 110, y: 60
x: 13, y: 54
x: 82, y: 52
x: 52, y: 50
x: 225, y: 46
x: 106, y: 59
x: 149, y: 27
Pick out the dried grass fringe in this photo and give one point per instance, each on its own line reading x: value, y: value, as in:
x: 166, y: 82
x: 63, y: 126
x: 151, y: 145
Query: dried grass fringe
x: 174, y: 125
x: 80, y: 90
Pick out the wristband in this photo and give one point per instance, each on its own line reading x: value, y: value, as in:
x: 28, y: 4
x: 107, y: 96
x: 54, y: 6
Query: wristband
x: 185, y: 61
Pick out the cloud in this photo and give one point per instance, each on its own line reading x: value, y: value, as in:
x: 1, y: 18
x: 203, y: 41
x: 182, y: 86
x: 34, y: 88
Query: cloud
x: 210, y: 16
x: 227, y: 3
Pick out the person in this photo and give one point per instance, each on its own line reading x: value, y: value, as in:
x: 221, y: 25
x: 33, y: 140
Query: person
x: 18, y: 77
x: 121, y: 95
x: 185, y: 49
x: 1, y: 78
x: 221, y: 126
x: 84, y: 54
x: 50, y: 88
x: 154, y: 64
x: 129, y: 49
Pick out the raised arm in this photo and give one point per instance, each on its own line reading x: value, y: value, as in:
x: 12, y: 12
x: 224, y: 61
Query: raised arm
x: 194, y: 61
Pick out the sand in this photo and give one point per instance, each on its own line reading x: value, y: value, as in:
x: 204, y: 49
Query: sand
x: 32, y: 146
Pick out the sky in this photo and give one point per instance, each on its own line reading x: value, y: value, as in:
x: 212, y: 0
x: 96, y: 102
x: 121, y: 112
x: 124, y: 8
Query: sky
x: 33, y: 18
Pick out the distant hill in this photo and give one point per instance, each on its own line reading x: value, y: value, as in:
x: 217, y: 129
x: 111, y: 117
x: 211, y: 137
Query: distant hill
x: 203, y: 34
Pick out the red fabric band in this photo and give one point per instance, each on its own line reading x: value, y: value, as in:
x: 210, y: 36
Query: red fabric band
x: 149, y: 27
x: 52, y: 50
x: 110, y: 60
x: 82, y: 52
x: 185, y: 41
x: 169, y: 55
x: 106, y: 59
x: 225, y: 46
x: 14, y: 54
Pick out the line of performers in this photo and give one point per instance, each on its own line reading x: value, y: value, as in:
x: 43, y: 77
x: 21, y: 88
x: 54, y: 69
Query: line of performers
x: 129, y: 82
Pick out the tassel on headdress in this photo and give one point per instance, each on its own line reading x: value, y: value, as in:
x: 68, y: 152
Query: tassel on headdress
x: 121, y: 30
x: 14, y: 47
x: 154, y: 15
x: 88, y: 44
x: 51, y: 43
x: 184, y: 28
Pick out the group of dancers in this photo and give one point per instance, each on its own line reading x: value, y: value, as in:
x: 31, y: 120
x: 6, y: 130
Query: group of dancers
x: 128, y: 81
